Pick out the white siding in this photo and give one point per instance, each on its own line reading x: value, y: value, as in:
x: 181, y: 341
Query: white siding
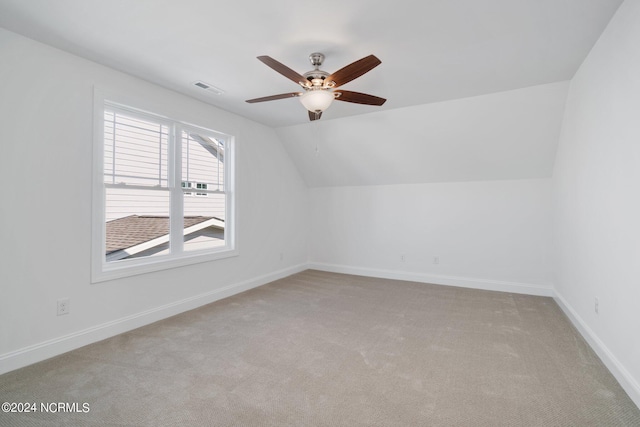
x: 122, y: 202
x: 212, y: 205
x: 197, y: 164
x: 198, y: 168
x: 136, y: 153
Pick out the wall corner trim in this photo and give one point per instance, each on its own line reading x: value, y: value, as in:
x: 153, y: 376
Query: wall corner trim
x: 41, y: 351
x: 626, y: 380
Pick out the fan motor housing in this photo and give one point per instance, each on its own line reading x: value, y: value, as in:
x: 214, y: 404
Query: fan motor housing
x: 316, y: 77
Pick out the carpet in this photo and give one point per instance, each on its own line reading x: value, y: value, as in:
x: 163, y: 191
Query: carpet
x: 325, y: 349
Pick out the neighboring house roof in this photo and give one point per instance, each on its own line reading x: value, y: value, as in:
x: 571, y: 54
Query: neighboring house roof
x: 135, y: 233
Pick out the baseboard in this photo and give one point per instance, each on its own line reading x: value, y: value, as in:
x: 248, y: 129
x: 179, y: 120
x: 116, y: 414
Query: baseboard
x: 54, y: 347
x: 617, y: 369
x: 464, y: 282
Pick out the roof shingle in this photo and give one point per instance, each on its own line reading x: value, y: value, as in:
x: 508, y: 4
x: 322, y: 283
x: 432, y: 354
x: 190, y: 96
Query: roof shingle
x: 123, y: 233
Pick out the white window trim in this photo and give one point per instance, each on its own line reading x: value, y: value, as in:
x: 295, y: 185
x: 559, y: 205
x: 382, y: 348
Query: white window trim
x: 102, y: 271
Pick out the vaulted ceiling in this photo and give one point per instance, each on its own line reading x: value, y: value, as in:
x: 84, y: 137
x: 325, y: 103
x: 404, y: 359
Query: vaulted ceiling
x: 431, y: 51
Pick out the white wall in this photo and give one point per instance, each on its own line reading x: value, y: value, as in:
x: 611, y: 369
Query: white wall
x: 597, y: 198
x: 505, y: 135
x: 489, y: 234
x: 466, y: 180
x: 46, y: 102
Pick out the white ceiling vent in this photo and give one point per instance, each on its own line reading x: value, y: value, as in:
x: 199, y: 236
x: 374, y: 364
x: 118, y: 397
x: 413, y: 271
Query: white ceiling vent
x: 208, y: 87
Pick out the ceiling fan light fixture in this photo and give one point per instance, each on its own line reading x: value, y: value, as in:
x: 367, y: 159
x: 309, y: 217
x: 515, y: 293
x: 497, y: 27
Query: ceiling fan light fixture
x: 319, y: 85
x: 317, y: 100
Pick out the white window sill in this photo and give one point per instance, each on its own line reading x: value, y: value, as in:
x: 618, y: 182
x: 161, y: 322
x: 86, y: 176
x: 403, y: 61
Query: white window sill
x: 127, y: 268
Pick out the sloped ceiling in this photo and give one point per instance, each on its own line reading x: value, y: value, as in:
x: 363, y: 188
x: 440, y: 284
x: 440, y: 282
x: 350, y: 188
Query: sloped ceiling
x: 506, y: 135
x: 432, y: 52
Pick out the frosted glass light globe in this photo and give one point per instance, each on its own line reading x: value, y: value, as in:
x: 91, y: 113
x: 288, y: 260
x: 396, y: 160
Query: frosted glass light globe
x: 317, y: 100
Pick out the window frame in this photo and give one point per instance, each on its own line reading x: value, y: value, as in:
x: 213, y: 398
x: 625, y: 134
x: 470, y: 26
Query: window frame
x: 101, y: 270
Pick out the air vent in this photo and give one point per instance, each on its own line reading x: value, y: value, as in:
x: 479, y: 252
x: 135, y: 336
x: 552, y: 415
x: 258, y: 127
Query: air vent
x: 208, y: 87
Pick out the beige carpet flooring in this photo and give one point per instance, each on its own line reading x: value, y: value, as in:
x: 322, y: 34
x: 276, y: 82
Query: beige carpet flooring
x: 323, y: 349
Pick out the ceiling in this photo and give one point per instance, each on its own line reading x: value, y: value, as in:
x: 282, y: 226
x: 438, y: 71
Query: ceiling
x: 500, y: 136
x: 431, y: 50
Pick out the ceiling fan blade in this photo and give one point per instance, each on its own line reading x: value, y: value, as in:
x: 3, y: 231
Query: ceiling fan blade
x: 359, y: 98
x: 282, y: 69
x: 315, y: 115
x: 354, y: 70
x: 274, y: 97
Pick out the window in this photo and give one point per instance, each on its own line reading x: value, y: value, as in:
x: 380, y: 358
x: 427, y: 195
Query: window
x: 187, y: 185
x: 198, y: 185
x: 166, y: 195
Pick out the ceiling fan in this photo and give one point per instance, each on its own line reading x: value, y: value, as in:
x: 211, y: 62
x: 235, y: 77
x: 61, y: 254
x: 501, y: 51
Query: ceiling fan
x: 320, y: 87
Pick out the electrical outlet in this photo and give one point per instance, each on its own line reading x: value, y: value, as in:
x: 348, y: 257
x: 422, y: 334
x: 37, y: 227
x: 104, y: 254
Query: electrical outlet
x: 402, y: 258
x: 436, y: 260
x: 281, y: 256
x: 63, y: 306
x: 596, y: 305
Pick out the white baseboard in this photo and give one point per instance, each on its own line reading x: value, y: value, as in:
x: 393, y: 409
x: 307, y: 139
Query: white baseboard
x: 464, y: 282
x: 54, y: 347
x: 617, y: 369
